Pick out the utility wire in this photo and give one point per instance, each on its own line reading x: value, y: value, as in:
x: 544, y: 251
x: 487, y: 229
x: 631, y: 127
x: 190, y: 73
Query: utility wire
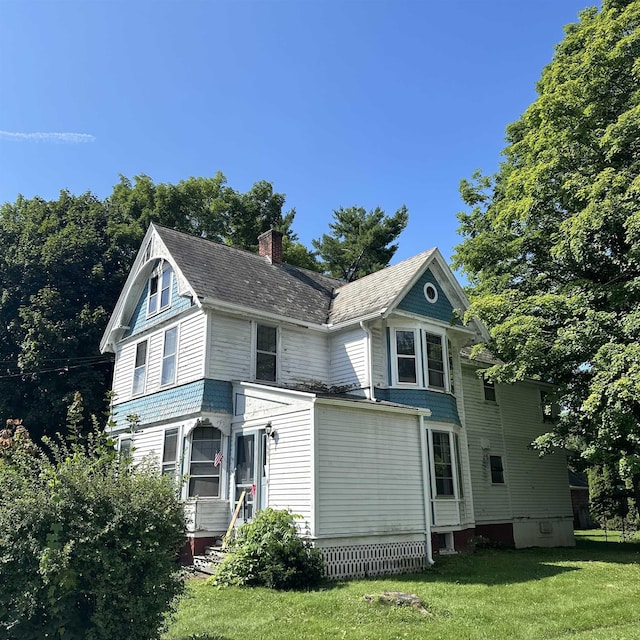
x: 64, y: 369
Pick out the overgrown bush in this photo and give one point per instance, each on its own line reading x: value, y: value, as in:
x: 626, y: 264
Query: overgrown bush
x: 88, y: 544
x: 269, y: 552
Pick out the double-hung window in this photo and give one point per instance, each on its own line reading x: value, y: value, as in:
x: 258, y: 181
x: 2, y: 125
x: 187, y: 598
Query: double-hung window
x: 266, y: 352
x: 159, y: 291
x: 435, y: 361
x: 204, y: 473
x: 443, y: 463
x: 169, y: 354
x: 497, y: 469
x: 406, y: 356
x: 170, y: 452
x: 140, y: 368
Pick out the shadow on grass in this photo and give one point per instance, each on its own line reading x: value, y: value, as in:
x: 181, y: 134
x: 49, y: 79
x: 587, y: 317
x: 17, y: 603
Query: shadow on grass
x: 203, y: 636
x: 508, y: 566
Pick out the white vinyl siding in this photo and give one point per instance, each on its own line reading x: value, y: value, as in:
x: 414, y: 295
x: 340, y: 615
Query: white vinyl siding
x: 304, y: 356
x: 379, y: 360
x: 230, y: 348
x: 290, y: 485
x: 189, y: 365
x: 533, y: 487
x: 191, y: 350
x: 485, y: 438
x: 369, y: 472
x: 538, y: 486
x: 349, y: 359
x: 123, y: 371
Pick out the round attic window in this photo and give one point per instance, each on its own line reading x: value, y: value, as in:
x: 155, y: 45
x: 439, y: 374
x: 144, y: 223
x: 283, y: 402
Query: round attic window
x: 430, y: 292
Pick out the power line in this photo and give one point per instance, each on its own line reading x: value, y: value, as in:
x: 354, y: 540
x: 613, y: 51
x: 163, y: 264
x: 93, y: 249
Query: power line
x: 64, y: 369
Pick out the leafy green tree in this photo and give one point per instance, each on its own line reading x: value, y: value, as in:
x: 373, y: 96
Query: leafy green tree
x: 64, y: 262
x: 88, y: 542
x: 62, y: 266
x: 552, y: 242
x: 209, y: 208
x: 360, y: 242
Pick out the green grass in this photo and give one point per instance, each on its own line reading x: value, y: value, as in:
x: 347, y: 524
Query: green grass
x: 591, y: 592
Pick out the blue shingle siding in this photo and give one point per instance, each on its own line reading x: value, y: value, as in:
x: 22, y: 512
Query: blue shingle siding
x: 139, y: 320
x: 415, y: 302
x: 442, y: 405
x: 187, y: 399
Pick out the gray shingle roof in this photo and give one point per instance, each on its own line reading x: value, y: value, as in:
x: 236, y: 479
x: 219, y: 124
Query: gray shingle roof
x: 376, y: 291
x: 219, y: 272
x: 235, y: 276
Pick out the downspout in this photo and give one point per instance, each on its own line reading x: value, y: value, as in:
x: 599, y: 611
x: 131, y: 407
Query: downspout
x: 426, y: 493
x: 369, y: 388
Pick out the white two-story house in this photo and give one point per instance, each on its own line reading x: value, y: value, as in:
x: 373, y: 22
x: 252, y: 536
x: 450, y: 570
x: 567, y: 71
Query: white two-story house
x: 354, y: 405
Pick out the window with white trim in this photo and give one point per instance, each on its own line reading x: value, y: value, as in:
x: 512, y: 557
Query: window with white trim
x: 420, y: 358
x: 160, y: 290
x: 443, y: 463
x: 266, y: 362
x: 140, y: 368
x: 170, y: 452
x: 205, y: 463
x: 435, y: 361
x: 169, y: 356
x: 406, y: 356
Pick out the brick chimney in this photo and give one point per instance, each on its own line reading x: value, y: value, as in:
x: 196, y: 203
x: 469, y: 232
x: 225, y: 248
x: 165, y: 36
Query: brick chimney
x: 270, y: 246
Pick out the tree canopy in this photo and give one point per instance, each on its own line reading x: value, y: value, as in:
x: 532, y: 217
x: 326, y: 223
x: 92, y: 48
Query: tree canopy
x: 551, y: 244
x: 64, y: 262
x: 360, y: 242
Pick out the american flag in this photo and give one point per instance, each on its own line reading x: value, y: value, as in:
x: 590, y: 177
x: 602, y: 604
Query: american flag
x: 253, y: 490
x: 217, y: 461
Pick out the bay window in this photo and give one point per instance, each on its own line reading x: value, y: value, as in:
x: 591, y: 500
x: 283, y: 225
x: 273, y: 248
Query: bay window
x: 420, y: 358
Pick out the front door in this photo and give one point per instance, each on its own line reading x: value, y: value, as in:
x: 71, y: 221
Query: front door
x: 251, y: 456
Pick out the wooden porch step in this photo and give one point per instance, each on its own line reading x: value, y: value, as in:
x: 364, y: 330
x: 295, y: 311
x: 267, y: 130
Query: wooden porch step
x: 208, y: 563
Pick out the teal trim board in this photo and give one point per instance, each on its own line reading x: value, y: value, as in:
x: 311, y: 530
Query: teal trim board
x: 442, y: 405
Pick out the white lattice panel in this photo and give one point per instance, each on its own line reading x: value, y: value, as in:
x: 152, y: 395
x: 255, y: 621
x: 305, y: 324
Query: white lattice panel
x: 358, y: 561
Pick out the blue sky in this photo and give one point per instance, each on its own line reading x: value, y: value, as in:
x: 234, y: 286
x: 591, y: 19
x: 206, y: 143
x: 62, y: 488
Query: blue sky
x: 337, y: 103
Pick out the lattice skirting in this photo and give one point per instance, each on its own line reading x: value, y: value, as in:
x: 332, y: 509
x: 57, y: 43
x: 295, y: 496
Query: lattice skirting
x: 359, y: 561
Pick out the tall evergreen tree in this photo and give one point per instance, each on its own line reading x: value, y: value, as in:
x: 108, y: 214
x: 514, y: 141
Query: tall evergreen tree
x: 360, y: 242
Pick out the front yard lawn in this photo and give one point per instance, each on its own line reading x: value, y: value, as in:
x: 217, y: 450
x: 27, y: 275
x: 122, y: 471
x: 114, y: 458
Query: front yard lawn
x: 591, y: 592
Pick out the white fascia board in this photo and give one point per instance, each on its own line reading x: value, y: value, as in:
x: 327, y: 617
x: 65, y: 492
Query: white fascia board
x: 252, y: 313
x: 426, y: 320
x: 372, y: 405
x: 357, y: 320
x: 275, y: 390
x: 134, y: 285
